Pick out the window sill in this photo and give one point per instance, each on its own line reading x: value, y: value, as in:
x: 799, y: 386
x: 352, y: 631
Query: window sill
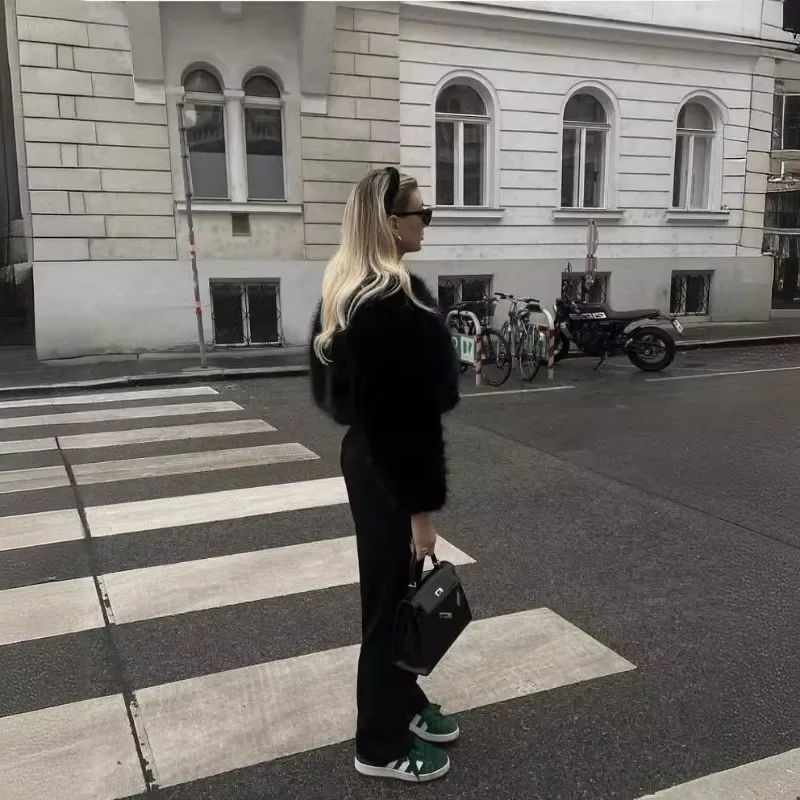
x: 200, y: 206
x: 466, y: 215
x: 599, y: 215
x: 685, y: 215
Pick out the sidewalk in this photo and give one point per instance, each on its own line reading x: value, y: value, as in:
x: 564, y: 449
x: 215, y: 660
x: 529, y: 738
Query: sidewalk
x: 21, y: 373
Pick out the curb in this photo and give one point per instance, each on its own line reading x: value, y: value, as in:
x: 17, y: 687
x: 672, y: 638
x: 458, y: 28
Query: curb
x: 199, y: 375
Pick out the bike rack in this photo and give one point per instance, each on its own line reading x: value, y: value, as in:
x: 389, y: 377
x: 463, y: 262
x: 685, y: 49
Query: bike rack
x: 550, y: 332
x: 478, y: 332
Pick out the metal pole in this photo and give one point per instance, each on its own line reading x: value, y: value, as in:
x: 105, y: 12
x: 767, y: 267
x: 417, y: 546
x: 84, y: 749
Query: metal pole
x: 190, y: 221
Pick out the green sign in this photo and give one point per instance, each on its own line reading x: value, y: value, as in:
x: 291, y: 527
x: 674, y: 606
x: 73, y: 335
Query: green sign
x: 464, y: 347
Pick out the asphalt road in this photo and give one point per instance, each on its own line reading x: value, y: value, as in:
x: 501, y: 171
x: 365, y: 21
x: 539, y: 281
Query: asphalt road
x: 656, y: 514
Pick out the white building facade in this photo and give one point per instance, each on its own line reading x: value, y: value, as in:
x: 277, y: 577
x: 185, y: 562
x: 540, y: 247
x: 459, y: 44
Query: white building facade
x: 521, y: 121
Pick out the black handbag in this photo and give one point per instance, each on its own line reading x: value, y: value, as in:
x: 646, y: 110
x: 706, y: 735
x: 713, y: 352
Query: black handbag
x: 429, y: 618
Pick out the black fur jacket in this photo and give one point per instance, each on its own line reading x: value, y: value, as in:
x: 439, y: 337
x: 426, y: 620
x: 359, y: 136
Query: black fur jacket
x: 393, y: 374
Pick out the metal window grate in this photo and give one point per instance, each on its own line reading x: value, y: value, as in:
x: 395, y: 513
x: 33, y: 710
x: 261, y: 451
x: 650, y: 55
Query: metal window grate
x: 246, y: 313
x: 476, y: 290
x: 573, y: 287
x: 690, y: 293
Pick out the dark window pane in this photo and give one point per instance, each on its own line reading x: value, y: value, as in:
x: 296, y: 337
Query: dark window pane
x: 594, y: 169
x: 679, y: 182
x: 584, y: 108
x: 460, y: 99
x: 777, y: 121
x: 206, y: 139
x: 445, y: 163
x: 474, y: 164
x: 791, y: 123
x: 263, y: 137
x: 262, y: 305
x: 261, y: 86
x: 448, y: 295
x: 694, y: 116
x: 226, y: 307
x: 201, y: 80
x: 569, y: 161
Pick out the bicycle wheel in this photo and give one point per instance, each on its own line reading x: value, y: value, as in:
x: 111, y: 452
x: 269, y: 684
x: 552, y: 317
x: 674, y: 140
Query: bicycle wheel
x: 529, y: 354
x: 495, y: 358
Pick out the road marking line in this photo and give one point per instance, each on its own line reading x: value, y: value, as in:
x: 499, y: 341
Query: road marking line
x: 194, y: 509
x: 168, y: 433
x: 28, y: 480
x: 109, y: 397
x: 27, y: 446
x: 220, y: 722
x: 721, y: 375
x: 71, y: 606
x: 773, y: 778
x: 83, y: 751
x: 187, y: 586
x: 45, y: 527
x: 49, y: 609
x: 186, y: 463
x: 518, y: 391
x: 120, y: 414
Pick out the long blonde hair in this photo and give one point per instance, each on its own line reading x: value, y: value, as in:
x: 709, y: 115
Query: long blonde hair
x: 366, y: 262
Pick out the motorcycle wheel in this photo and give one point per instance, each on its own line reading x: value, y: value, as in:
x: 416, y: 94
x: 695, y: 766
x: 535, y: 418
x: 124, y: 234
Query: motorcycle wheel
x: 659, y: 349
x: 561, y: 347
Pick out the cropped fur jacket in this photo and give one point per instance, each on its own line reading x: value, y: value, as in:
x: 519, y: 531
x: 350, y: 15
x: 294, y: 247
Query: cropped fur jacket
x: 393, y: 374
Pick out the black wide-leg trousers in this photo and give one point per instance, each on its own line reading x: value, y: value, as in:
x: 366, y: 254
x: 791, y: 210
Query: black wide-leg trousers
x: 387, y: 696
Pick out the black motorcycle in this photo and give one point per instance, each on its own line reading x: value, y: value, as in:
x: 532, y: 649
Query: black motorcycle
x: 598, y: 330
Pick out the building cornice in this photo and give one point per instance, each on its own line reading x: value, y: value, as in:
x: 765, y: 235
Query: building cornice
x: 499, y: 16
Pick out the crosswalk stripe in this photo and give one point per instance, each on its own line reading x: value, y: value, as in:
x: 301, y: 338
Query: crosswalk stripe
x: 180, y: 588
x: 120, y: 414
x: 228, y: 720
x: 71, y: 606
x: 49, y: 609
x: 167, y: 433
x: 109, y: 397
x: 184, y: 463
x: 44, y: 527
x: 26, y: 480
x: 27, y: 446
x: 194, y: 509
x: 83, y: 751
x: 773, y: 778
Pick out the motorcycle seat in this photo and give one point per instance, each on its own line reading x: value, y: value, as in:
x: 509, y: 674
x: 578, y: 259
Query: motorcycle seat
x: 628, y: 316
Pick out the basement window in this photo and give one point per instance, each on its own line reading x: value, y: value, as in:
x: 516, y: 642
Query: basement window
x: 246, y: 313
x: 690, y: 293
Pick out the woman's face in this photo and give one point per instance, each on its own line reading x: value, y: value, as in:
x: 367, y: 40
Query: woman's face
x: 410, y: 227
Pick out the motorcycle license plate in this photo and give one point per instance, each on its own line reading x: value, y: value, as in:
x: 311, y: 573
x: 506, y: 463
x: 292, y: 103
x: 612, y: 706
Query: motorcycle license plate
x: 678, y: 327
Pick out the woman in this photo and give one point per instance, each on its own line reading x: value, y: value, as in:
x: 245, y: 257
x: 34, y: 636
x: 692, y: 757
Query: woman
x: 383, y: 364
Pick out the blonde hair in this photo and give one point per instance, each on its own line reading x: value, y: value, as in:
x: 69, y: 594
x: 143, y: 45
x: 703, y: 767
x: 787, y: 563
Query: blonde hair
x: 367, y: 262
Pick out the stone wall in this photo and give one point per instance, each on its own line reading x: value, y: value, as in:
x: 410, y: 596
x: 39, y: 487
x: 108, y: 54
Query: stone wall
x: 361, y: 130
x: 98, y: 163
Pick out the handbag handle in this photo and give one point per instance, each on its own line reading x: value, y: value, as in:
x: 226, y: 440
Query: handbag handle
x: 412, y: 578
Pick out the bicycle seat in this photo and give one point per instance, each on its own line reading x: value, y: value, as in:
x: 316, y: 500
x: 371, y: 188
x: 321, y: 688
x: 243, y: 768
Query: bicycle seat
x: 623, y: 316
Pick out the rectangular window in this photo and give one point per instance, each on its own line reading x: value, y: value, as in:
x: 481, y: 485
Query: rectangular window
x: 207, y: 162
x: 583, y: 168
x: 474, y: 164
x: 569, y: 167
x: 445, y: 163
x: 574, y: 287
x: 246, y: 313
x: 264, y: 143
x: 690, y: 293
x: 474, y: 290
x: 786, y: 122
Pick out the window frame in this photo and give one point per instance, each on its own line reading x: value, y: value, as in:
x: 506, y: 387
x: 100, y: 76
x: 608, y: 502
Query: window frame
x: 583, y: 128
x: 244, y: 307
x: 490, y: 211
x: 781, y: 115
x: 251, y: 101
x: 710, y: 135
x: 216, y: 99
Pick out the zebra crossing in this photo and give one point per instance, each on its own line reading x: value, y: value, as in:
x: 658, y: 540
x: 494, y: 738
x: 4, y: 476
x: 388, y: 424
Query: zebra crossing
x: 130, y: 496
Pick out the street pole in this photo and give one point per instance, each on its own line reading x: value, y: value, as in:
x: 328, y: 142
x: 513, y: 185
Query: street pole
x: 190, y: 222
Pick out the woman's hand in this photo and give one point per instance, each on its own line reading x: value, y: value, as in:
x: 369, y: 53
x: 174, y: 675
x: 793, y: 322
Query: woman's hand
x: 423, y: 536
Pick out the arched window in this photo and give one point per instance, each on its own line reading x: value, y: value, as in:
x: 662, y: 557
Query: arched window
x: 206, y: 135
x: 263, y: 133
x: 584, y: 155
x: 691, y: 185
x: 462, y: 135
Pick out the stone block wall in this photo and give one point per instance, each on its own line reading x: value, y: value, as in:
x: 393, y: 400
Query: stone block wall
x: 361, y: 129
x: 98, y: 163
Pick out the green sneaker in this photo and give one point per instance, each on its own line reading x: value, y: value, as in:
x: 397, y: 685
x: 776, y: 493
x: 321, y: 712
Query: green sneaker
x: 423, y: 763
x: 433, y: 726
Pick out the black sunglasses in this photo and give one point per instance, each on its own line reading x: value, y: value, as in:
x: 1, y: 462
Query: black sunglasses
x: 425, y: 214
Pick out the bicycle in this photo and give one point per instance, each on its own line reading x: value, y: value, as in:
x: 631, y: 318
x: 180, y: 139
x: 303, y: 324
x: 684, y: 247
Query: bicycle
x: 524, y: 341
x: 494, y: 370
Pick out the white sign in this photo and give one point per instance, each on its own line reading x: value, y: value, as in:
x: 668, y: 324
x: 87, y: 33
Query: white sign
x: 464, y: 347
